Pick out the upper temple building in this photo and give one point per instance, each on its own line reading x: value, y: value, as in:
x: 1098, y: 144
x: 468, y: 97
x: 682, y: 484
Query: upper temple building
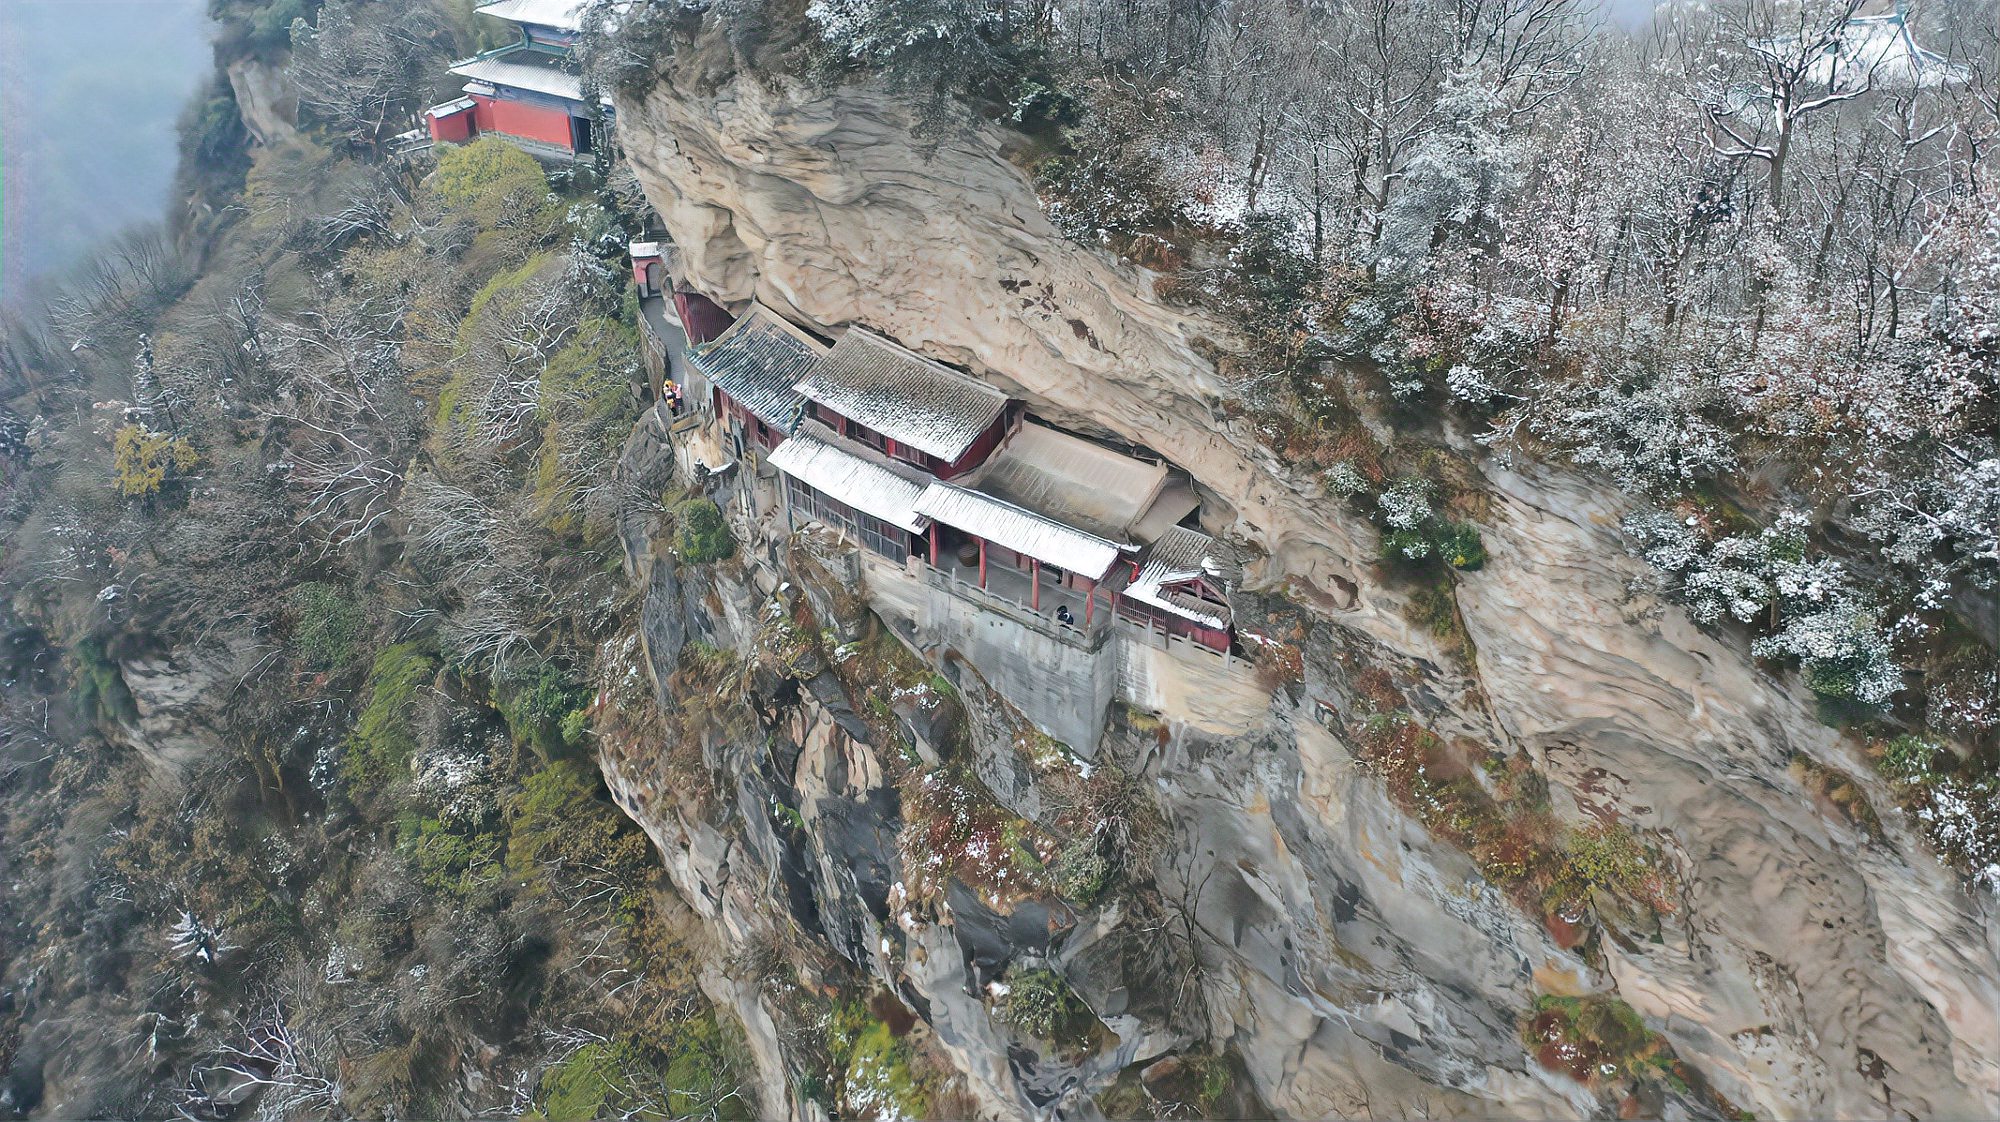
x: 529, y: 91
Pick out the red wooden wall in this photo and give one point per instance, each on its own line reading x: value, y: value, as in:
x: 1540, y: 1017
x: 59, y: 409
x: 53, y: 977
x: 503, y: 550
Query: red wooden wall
x: 451, y: 128
x: 534, y: 122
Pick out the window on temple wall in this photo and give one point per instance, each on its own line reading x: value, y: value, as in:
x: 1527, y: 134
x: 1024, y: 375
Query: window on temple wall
x: 809, y: 504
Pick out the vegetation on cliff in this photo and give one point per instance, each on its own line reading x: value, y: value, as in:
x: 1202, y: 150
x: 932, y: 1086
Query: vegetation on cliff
x: 308, y: 558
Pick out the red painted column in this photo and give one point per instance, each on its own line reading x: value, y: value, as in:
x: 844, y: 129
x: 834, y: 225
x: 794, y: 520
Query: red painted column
x: 1089, y: 604
x: 982, y: 564
x: 933, y: 545
x: 1034, y: 584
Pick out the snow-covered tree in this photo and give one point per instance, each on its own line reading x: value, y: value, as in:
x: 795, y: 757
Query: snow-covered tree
x: 1816, y: 616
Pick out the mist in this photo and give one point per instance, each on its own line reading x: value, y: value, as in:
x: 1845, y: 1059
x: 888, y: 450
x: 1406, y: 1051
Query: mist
x: 89, y: 94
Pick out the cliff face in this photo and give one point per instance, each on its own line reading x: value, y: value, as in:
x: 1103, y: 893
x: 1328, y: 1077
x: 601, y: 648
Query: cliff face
x: 1809, y: 969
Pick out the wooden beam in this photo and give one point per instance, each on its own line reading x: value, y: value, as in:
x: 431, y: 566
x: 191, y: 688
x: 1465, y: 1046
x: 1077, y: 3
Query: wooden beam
x: 1034, y: 584
x: 982, y: 564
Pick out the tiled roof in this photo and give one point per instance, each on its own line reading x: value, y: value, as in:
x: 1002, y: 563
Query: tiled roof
x: 853, y: 474
x: 1072, y: 480
x: 1023, y: 531
x: 523, y: 68
x: 757, y: 362
x: 1179, y: 556
x: 902, y: 395
x: 565, y: 14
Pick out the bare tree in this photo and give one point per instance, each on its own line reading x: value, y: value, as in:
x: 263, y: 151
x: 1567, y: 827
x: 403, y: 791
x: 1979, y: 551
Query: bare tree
x: 1781, y: 77
x: 362, y: 62
x: 351, y: 416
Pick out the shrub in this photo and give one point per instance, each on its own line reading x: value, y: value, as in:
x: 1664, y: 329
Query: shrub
x: 701, y: 535
x: 383, y: 740
x: 561, y: 832
x: 1842, y: 653
x: 586, y: 413
x: 1908, y: 758
x: 101, y: 693
x: 272, y: 27
x: 537, y: 707
x: 952, y: 828
x: 1459, y: 544
x: 1455, y: 543
x: 1082, y: 872
x: 1961, y: 816
x: 1595, y: 1038
x: 142, y: 460
x: 457, y: 863
x: 1607, y: 857
x: 1818, y: 617
x: 578, y: 1088
x: 1041, y: 1004
x: 692, y: 1073
x: 877, y: 1068
x: 326, y: 625
x: 491, y: 180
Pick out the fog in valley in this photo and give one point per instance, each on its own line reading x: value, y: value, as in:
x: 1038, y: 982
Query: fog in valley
x: 89, y: 93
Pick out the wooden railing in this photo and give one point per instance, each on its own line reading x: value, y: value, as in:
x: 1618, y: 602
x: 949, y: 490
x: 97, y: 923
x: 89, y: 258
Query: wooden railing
x: 1160, y: 639
x: 1088, y: 636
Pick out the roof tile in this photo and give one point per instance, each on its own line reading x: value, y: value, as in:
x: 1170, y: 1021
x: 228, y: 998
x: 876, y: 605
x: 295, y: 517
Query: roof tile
x: 902, y: 395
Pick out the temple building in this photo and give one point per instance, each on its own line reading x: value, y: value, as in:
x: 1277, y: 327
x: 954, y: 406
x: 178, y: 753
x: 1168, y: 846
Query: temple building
x: 1066, y: 570
x: 1183, y: 587
x: 906, y: 406
x: 753, y: 367
x: 529, y: 91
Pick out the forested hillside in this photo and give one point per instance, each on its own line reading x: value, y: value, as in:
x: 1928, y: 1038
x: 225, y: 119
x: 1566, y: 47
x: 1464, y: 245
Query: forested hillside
x: 308, y: 559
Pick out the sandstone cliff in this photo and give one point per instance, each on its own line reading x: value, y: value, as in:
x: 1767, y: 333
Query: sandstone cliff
x: 1809, y: 970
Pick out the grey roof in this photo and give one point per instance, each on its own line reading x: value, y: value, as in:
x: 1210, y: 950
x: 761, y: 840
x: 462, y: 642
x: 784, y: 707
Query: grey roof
x: 565, y: 14
x: 854, y: 474
x: 523, y: 68
x: 903, y: 395
x: 1023, y: 531
x: 1073, y: 480
x: 757, y: 361
x: 1182, y: 555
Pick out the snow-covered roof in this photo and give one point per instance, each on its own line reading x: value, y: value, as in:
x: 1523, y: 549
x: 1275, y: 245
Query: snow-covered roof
x: 903, y: 395
x: 1024, y: 531
x: 1182, y: 555
x: 1877, y: 51
x: 853, y: 474
x: 1072, y: 480
x: 757, y: 361
x: 640, y: 250
x: 523, y: 68
x: 564, y: 14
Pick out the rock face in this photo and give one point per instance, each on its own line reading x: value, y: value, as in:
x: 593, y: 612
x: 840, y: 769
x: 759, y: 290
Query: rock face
x: 266, y: 100
x: 1355, y: 963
